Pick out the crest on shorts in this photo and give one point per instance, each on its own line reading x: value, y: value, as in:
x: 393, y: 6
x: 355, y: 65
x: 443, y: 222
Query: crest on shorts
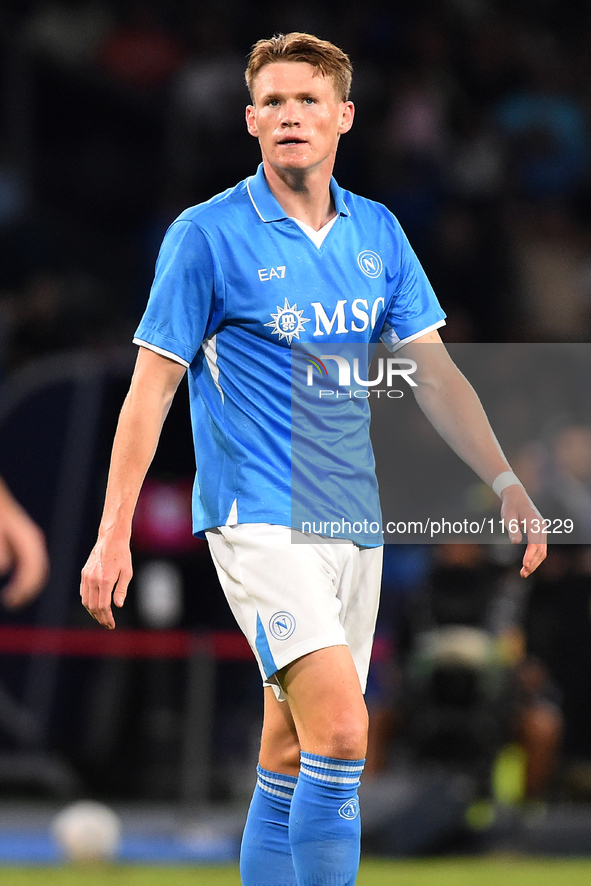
x: 282, y: 625
x: 288, y: 322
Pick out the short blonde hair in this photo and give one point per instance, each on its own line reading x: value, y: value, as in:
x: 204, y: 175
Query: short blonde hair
x: 327, y: 58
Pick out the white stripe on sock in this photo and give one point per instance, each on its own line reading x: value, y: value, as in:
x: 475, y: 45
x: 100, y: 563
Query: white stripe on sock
x: 333, y: 779
x: 273, y: 791
x: 339, y: 768
x: 278, y: 781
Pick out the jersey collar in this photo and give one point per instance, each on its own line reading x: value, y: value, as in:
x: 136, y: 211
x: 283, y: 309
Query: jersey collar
x: 267, y: 207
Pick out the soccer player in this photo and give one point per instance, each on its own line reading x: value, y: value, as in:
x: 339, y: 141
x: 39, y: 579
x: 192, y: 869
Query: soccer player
x: 283, y: 258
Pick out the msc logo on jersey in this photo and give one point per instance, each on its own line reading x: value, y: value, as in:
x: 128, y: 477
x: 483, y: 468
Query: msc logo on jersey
x: 288, y: 322
x: 370, y: 263
x: 350, y: 809
x: 282, y: 625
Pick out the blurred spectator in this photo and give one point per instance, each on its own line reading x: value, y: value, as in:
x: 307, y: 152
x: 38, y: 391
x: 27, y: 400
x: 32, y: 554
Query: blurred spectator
x: 15, y: 206
x: 15, y: 199
x: 558, y: 624
x: 475, y: 167
x: 206, y: 112
x: 412, y: 191
x: 417, y: 122
x: 41, y: 318
x: 53, y: 312
x: 550, y: 255
x: 470, y: 270
x: 546, y: 129
x: 140, y: 52
x: 570, y: 475
x: 405, y: 570
x: 492, y: 57
x: 558, y: 474
x: 69, y: 31
x: 469, y: 686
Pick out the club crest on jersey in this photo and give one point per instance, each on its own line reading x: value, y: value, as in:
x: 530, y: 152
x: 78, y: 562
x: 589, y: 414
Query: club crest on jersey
x: 370, y: 263
x: 288, y: 322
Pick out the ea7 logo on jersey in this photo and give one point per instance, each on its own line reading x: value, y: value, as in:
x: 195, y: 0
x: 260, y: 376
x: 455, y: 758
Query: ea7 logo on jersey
x: 272, y: 273
x: 288, y: 322
x: 370, y: 263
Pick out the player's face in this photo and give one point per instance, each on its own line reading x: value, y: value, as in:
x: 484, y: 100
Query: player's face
x: 297, y: 116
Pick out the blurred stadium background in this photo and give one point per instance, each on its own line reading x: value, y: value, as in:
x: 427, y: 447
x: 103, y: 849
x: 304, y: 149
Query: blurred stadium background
x: 472, y: 125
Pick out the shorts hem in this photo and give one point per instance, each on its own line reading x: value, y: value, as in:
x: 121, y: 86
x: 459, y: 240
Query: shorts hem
x: 311, y: 645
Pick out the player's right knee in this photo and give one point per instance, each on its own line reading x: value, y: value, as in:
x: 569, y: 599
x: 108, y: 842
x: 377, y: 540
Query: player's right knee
x: 281, y: 757
x: 290, y: 756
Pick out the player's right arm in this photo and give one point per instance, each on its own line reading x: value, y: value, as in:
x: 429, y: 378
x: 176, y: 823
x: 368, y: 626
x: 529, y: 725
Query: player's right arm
x: 108, y: 571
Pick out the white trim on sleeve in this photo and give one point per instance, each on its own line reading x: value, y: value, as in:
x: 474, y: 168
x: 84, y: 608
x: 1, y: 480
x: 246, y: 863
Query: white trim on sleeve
x: 393, y: 343
x: 161, y: 351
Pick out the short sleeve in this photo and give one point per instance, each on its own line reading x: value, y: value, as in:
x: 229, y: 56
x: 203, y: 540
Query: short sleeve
x: 181, y: 308
x: 414, y: 308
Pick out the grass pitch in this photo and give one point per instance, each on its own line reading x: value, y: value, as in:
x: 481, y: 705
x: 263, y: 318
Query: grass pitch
x: 498, y: 871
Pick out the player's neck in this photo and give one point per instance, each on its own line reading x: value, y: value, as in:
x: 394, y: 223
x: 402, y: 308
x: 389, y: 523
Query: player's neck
x: 303, y: 194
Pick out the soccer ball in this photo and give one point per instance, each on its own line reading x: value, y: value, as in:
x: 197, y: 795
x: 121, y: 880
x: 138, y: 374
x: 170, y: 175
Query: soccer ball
x: 87, y: 831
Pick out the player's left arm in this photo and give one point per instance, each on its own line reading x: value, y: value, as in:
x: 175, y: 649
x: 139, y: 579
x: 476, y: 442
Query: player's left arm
x: 455, y: 411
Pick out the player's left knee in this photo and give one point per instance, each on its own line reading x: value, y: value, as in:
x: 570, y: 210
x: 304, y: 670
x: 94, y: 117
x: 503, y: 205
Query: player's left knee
x: 346, y: 736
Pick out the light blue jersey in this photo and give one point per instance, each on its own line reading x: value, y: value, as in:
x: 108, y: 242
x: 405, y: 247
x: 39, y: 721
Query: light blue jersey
x: 237, y: 285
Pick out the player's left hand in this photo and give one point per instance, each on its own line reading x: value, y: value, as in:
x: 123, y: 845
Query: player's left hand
x: 520, y: 516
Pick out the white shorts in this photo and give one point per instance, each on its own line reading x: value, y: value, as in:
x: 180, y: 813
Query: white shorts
x: 290, y: 599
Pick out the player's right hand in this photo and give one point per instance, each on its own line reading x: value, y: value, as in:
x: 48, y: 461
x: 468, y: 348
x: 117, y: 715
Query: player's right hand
x: 105, y: 579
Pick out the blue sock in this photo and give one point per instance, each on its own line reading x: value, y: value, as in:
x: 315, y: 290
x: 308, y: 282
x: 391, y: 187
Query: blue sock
x: 324, y: 824
x: 265, y: 856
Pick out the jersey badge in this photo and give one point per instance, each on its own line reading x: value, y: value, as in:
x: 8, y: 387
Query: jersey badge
x: 370, y: 263
x: 288, y: 322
